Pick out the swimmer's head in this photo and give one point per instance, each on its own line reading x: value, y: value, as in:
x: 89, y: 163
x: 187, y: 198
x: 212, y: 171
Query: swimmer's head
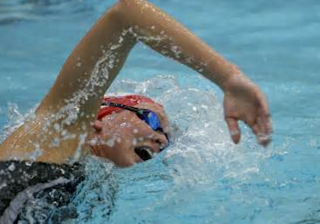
x: 129, y: 129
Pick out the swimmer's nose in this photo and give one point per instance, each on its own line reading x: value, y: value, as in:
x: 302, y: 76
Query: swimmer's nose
x: 97, y: 125
x: 162, y: 140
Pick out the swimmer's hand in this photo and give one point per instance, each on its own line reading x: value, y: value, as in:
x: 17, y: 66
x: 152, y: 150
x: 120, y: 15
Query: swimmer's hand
x: 244, y: 101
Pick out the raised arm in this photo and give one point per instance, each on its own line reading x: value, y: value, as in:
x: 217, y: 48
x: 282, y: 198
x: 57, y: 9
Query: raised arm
x: 97, y: 59
x: 129, y: 21
x: 73, y: 101
x: 138, y: 20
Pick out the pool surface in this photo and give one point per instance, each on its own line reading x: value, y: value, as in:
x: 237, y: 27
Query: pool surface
x: 203, y: 177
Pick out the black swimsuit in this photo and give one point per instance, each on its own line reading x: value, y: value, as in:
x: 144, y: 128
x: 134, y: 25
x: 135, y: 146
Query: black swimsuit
x: 46, y: 188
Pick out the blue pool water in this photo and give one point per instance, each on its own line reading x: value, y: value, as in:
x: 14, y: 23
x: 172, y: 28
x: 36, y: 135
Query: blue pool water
x: 202, y: 177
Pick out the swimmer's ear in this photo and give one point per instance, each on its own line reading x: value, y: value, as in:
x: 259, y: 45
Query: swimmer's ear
x: 97, y: 125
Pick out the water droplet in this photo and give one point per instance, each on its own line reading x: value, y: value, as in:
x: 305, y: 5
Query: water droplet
x: 12, y: 167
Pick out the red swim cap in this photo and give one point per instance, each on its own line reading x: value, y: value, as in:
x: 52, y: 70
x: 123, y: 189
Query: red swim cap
x: 128, y: 100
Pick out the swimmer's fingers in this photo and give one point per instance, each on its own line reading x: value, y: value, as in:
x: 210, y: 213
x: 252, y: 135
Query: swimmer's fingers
x: 234, y: 129
x: 264, y: 124
x: 264, y: 116
x: 262, y: 129
x: 265, y: 130
x: 266, y: 120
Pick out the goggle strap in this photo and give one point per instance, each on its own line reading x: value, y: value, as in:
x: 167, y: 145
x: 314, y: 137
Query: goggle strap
x: 133, y: 109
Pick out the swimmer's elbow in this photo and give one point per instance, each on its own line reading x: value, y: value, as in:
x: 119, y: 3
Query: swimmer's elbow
x: 124, y: 8
x: 120, y: 11
x: 130, y: 3
x: 115, y: 10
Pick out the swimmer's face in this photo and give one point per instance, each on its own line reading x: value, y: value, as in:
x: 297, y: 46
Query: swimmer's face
x: 117, y: 137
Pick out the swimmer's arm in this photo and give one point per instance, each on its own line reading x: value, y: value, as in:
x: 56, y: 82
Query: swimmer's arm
x: 69, y: 109
x: 243, y: 99
x: 83, y: 82
x: 112, y: 38
x: 165, y: 35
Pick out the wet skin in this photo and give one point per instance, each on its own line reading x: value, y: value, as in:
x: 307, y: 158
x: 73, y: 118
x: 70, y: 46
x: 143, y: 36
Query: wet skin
x: 117, y: 136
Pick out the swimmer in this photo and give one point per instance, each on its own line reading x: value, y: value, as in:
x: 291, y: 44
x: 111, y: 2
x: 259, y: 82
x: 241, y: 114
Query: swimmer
x: 75, y: 119
x: 92, y: 67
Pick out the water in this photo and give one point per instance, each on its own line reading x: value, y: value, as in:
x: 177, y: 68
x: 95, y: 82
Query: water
x: 202, y: 177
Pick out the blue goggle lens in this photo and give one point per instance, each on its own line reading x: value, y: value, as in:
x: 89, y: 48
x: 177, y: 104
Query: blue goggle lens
x: 151, y: 119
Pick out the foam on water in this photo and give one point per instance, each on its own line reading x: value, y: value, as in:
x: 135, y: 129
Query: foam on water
x: 96, y: 197
x: 201, y: 158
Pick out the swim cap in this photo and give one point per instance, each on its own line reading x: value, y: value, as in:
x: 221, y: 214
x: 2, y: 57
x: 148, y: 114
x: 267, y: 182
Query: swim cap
x: 128, y: 100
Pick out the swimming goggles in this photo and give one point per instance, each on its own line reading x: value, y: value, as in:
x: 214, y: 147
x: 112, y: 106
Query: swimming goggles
x: 148, y: 116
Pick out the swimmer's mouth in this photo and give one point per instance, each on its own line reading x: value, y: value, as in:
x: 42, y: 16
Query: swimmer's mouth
x: 145, y: 153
